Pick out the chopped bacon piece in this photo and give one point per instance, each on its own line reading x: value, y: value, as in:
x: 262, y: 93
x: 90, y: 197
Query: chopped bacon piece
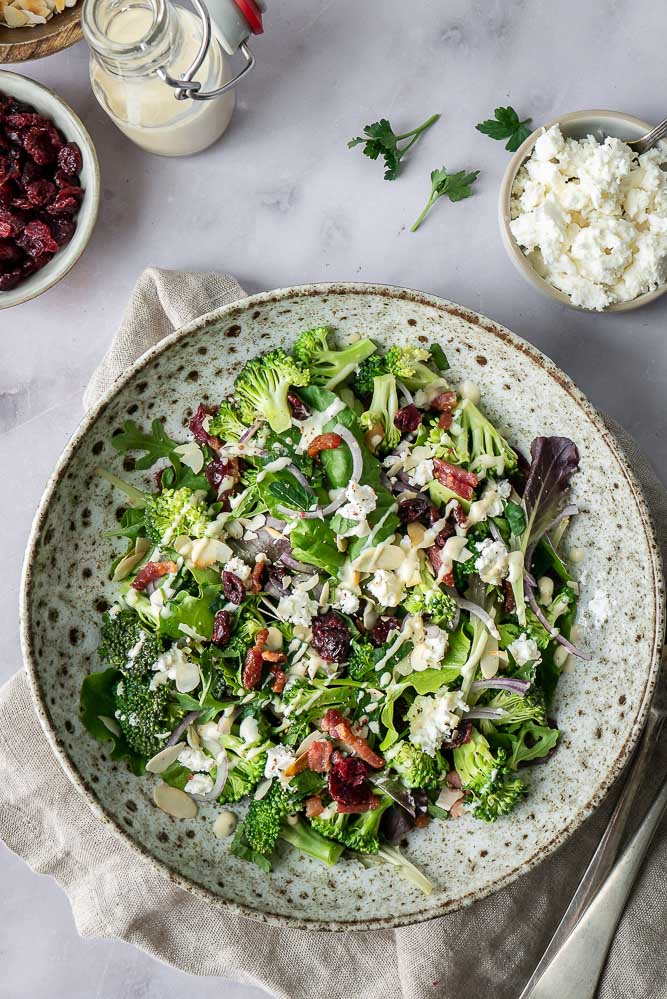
x: 314, y: 806
x: 445, y: 402
x: 279, y: 676
x: 152, y: 571
x: 435, y: 559
x: 253, y: 662
x: 509, y: 603
x: 421, y: 821
x: 324, y: 442
x: 319, y: 756
x: 256, y: 578
x: 457, y: 810
x: 453, y: 779
x: 199, y: 432
x: 269, y: 656
x: 457, y: 479
x: 445, y: 421
x: 340, y: 728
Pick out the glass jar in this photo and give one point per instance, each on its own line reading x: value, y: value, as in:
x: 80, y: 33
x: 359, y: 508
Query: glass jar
x: 134, y: 42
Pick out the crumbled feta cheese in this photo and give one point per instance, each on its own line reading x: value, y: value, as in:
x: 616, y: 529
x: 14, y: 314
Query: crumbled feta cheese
x: 422, y: 473
x: 195, y: 760
x: 277, y: 760
x: 524, y: 650
x: 346, y: 601
x: 592, y: 218
x: 361, y: 500
x: 297, y: 608
x: 429, y: 653
x: 386, y: 587
x: 238, y: 567
x: 174, y: 665
x: 504, y: 489
x: 432, y: 719
x: 598, y: 609
x: 492, y: 563
x: 199, y: 784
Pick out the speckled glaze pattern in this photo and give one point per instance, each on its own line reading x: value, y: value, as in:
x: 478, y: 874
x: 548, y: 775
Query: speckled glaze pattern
x: 601, y: 705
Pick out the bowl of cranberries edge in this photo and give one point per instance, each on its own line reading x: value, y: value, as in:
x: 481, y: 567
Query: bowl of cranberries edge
x: 49, y: 189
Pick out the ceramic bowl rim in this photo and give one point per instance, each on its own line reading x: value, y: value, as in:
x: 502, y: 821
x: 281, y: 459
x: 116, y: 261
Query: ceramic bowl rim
x: 239, y: 307
x: 512, y: 248
x: 91, y: 200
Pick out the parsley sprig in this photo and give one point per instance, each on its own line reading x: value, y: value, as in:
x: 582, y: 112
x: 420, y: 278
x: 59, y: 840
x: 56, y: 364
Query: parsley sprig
x: 506, y: 125
x: 455, y: 186
x: 379, y: 139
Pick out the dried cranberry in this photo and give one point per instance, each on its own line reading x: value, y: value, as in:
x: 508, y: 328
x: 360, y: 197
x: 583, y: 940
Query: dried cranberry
x: 460, y: 735
x: 299, y: 409
x: 69, y: 159
x: 11, y: 224
x: 331, y: 637
x: 220, y: 469
x: 21, y: 203
x: 413, y: 509
x: 232, y: 587
x: 10, y: 279
x: 37, y: 144
x: 445, y: 402
x: 31, y: 171
x: 407, y: 419
x: 382, y: 629
x: 24, y: 119
x: 222, y: 628
x: 62, y: 230
x: 7, y: 192
x: 197, y: 422
x: 40, y: 191
x: 36, y: 239
x: 66, y: 201
x: 347, y: 781
x: 10, y: 255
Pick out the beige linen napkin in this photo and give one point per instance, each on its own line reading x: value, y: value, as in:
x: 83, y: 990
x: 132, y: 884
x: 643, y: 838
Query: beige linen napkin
x: 488, y: 949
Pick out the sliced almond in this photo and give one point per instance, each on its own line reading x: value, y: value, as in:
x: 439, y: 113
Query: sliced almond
x: 193, y: 737
x: 416, y: 533
x: 111, y: 724
x: 448, y: 797
x: 274, y: 640
x: 159, y: 763
x: 225, y: 824
x: 297, y: 766
x: 174, y: 802
x: 191, y: 455
x: 380, y: 557
x: 206, y: 551
x: 131, y: 561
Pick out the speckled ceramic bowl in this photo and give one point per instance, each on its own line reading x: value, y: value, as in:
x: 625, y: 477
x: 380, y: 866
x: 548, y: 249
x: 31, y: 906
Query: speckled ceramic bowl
x: 576, y: 125
x: 601, y: 704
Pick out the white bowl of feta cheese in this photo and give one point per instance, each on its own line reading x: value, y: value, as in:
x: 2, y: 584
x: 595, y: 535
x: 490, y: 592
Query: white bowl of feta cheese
x: 583, y: 218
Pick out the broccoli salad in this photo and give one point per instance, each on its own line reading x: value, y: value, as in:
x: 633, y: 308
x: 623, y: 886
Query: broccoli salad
x: 343, y: 607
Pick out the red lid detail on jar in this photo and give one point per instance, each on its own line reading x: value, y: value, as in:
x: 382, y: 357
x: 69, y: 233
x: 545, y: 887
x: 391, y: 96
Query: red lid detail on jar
x: 252, y: 14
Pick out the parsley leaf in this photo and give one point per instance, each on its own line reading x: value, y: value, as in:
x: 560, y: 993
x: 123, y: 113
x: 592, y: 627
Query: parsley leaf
x: 157, y: 444
x: 506, y: 125
x: 379, y: 139
x: 455, y: 186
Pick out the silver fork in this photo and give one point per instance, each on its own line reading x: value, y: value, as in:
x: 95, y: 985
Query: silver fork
x: 645, y: 142
x: 586, y: 923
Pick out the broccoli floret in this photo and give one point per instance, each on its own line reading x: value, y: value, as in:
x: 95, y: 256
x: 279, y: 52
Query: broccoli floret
x: 429, y: 599
x: 303, y: 837
x: 262, y: 385
x: 407, y: 363
x: 143, y: 714
x: 560, y: 605
x: 478, y: 442
x: 415, y: 767
x: 488, y: 777
x: 266, y: 817
x: 176, y: 511
x: 327, y: 366
x: 519, y: 708
x: 246, y: 766
x: 227, y: 423
x: 363, y: 832
x: 333, y: 828
x: 370, y: 369
x: 363, y: 658
x: 127, y: 645
x: 381, y: 412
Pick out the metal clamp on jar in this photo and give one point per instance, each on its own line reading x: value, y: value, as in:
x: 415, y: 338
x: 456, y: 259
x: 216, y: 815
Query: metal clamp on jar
x: 162, y: 72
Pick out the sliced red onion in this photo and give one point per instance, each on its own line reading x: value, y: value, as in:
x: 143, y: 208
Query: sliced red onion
x: 501, y: 683
x: 476, y: 610
x: 222, y: 763
x: 405, y: 392
x: 276, y: 524
x: 299, y: 476
x: 485, y: 713
x: 557, y: 637
x: 495, y: 533
x: 274, y: 587
x: 301, y: 514
x: 181, y: 727
x: 287, y: 559
x: 250, y: 432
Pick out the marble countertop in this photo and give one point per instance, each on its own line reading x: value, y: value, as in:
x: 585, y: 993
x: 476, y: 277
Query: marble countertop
x: 281, y: 201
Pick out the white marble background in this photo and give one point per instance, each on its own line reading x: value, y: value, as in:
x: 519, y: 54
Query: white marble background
x: 282, y: 201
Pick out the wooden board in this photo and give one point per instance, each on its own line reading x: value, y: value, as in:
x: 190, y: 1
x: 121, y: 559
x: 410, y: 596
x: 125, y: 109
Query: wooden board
x: 19, y: 44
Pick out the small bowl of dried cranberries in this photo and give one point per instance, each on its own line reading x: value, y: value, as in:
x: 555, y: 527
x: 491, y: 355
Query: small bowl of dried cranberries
x: 49, y: 189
